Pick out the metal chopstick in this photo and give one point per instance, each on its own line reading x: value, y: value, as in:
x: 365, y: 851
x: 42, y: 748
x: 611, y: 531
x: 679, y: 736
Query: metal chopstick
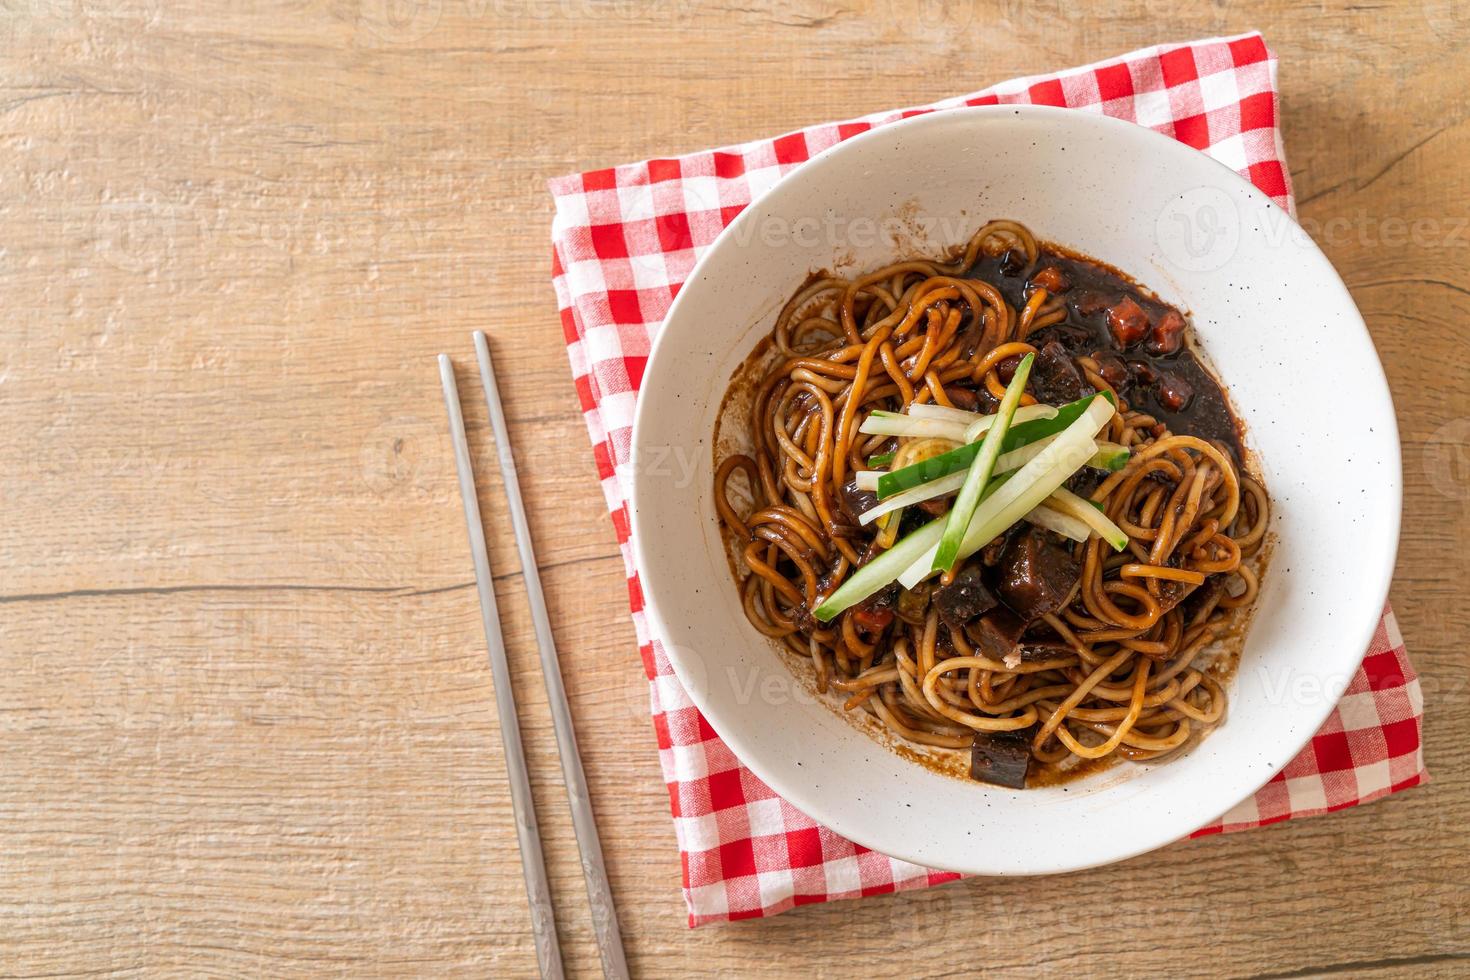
x: 599, y: 894
x: 533, y: 864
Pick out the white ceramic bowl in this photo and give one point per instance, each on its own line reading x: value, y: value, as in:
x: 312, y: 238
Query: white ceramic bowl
x: 1271, y: 315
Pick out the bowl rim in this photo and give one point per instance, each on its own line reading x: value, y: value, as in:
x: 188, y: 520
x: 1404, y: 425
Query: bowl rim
x: 1377, y: 582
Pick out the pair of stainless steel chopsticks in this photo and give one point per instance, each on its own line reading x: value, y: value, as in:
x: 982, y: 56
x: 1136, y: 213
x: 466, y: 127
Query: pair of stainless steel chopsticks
x: 599, y: 895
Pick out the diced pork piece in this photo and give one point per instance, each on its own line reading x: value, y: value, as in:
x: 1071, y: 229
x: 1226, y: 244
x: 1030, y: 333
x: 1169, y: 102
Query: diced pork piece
x: 1001, y: 758
x: 1036, y: 576
x: 1055, y: 378
x: 996, y: 633
x: 964, y: 598
x: 1128, y: 322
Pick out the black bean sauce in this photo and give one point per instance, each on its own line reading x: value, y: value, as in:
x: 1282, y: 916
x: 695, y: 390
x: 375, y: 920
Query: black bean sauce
x: 1137, y: 339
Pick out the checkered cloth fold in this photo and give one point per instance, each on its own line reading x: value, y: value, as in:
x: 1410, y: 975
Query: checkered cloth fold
x: 625, y: 240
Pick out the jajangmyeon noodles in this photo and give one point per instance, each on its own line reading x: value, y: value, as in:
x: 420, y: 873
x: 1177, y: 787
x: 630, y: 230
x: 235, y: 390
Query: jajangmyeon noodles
x: 1077, y: 631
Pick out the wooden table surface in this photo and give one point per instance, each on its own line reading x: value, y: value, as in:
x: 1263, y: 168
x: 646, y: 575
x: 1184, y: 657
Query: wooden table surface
x: 246, y: 720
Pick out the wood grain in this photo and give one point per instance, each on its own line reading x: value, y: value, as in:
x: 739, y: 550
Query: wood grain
x: 246, y: 720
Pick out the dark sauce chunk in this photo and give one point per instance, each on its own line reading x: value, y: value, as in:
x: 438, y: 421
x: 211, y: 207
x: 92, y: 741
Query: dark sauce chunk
x: 1001, y: 758
x: 996, y: 633
x: 1052, y: 279
x: 1138, y: 341
x: 874, y: 613
x: 1167, y: 336
x: 1127, y: 322
x: 855, y: 501
x: 1036, y: 576
x: 964, y: 598
x: 1173, y: 392
x: 1113, y: 369
x: 1055, y: 378
x: 913, y: 604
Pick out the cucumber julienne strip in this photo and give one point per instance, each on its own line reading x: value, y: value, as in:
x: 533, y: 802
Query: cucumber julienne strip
x: 934, y: 488
x: 1054, y: 520
x: 1026, y: 413
x: 1017, y: 458
x: 1088, y: 513
x: 886, y: 566
x: 1029, y: 426
x: 892, y: 424
x: 885, y: 423
x: 911, y: 559
x: 1026, y: 489
x: 944, y: 412
x: 880, y: 571
x: 981, y: 469
x: 888, y: 529
x: 1109, y: 456
x: 1064, y: 417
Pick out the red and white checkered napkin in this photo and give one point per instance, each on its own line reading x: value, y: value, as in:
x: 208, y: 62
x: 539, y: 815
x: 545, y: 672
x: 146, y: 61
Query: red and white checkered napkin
x: 625, y: 240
